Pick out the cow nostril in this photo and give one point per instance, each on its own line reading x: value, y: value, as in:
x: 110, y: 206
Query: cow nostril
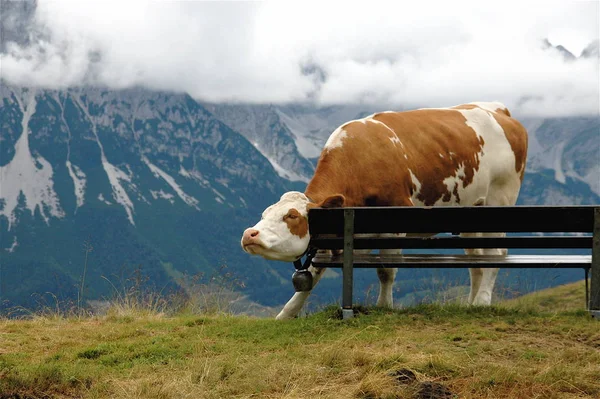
x: 254, y: 233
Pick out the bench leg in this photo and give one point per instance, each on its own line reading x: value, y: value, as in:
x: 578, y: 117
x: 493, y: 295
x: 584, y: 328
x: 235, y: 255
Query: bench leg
x: 347, y: 283
x: 347, y: 270
x: 595, y: 272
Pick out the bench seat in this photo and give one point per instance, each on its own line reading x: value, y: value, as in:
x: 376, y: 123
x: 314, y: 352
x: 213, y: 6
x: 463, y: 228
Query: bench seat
x: 453, y: 261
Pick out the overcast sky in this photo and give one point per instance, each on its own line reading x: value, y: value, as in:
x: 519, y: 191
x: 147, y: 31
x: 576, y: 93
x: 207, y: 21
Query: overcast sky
x: 387, y: 53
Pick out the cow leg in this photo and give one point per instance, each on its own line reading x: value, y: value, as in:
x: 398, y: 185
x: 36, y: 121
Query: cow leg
x: 483, y: 280
x: 386, y: 281
x: 387, y: 276
x: 476, y: 274
x: 488, y: 278
x: 295, y: 304
x: 504, y: 195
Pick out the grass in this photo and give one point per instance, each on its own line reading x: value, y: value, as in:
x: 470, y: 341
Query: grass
x: 563, y: 298
x: 514, y: 350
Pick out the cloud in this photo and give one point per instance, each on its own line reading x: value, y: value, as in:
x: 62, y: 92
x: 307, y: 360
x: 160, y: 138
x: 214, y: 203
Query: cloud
x: 392, y: 54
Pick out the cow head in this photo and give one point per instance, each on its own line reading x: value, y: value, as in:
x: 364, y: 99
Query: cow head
x: 282, y: 232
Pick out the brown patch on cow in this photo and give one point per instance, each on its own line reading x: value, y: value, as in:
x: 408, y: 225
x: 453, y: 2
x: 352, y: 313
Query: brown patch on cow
x: 455, y: 192
x: 297, y: 224
x: 429, y: 133
x: 447, y: 196
x: 333, y: 201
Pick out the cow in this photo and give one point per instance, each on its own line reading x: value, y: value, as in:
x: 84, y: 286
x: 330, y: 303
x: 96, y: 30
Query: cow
x: 470, y: 155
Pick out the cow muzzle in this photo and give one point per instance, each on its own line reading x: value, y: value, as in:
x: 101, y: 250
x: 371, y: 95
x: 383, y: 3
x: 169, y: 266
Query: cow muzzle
x: 251, y: 242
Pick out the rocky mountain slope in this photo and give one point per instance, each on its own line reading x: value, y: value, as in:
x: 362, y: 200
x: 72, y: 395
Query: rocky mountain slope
x: 148, y: 179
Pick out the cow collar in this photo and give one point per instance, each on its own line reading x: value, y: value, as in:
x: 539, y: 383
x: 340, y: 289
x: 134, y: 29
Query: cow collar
x: 310, y: 254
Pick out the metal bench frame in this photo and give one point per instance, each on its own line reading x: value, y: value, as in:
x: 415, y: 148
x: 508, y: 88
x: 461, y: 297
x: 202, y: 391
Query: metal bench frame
x: 345, y: 228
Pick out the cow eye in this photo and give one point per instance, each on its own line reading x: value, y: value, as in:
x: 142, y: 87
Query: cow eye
x: 290, y: 216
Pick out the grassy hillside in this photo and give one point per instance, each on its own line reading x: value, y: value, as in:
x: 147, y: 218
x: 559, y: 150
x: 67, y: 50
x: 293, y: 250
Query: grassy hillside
x: 514, y: 350
x: 562, y: 298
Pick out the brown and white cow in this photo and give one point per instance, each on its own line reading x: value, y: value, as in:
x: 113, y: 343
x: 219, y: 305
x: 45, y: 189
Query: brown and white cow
x: 471, y: 154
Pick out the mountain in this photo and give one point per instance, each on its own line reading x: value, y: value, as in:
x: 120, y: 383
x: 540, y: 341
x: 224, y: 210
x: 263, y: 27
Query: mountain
x: 146, y: 178
x: 570, y: 149
x: 277, y: 145
x: 592, y: 50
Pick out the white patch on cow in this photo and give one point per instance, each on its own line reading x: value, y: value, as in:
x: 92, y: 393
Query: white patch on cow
x: 441, y: 155
x: 335, y: 139
x: 418, y: 186
x: 490, y: 106
x: 28, y: 175
x: 158, y: 172
x: 495, y: 159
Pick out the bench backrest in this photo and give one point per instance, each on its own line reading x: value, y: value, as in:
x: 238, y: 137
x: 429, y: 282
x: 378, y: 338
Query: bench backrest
x: 327, y: 226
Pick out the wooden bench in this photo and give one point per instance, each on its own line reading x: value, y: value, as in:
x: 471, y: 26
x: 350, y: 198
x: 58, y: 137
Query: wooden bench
x: 566, y: 227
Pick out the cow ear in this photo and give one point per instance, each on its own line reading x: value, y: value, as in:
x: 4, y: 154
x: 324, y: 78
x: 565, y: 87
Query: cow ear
x: 334, y: 201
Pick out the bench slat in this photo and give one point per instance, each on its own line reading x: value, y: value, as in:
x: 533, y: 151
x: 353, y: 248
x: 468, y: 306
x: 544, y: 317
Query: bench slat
x: 456, y: 261
x: 455, y: 242
x: 411, y: 219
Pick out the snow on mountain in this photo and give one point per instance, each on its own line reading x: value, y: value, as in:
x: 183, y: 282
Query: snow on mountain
x: 158, y: 172
x: 27, y: 174
x: 115, y: 175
